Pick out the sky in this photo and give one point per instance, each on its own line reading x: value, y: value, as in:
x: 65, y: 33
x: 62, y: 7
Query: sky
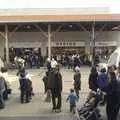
x: 113, y: 5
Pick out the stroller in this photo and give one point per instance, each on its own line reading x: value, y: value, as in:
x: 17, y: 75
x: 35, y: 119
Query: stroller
x: 90, y: 111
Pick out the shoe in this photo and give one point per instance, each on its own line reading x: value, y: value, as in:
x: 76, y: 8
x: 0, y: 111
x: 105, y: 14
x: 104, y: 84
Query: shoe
x: 53, y: 109
x: 58, y: 110
x: 27, y: 101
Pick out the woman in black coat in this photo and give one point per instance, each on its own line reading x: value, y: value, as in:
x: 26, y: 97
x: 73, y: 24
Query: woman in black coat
x: 112, y: 108
x: 93, y: 79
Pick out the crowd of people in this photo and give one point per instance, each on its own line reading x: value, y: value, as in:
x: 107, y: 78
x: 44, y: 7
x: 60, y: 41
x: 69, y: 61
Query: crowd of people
x: 108, y: 81
x: 30, y: 61
x: 67, y: 61
x: 53, y: 82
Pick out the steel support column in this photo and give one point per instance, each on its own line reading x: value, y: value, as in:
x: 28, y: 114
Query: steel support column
x: 6, y: 44
x: 49, y: 41
x: 93, y: 43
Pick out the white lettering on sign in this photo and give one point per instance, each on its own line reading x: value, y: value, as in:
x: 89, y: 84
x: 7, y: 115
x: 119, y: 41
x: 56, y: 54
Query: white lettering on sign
x: 67, y: 43
x: 110, y: 43
x: 25, y: 44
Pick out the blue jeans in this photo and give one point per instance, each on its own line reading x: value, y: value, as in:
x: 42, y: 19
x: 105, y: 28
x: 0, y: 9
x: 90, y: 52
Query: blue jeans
x: 2, y: 103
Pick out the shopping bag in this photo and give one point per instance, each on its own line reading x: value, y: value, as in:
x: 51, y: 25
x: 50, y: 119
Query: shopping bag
x: 48, y: 96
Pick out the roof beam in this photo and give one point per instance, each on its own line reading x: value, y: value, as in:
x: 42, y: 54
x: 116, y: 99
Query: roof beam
x: 101, y: 29
x: 41, y: 30
x: 2, y: 34
x: 16, y: 28
x: 58, y: 29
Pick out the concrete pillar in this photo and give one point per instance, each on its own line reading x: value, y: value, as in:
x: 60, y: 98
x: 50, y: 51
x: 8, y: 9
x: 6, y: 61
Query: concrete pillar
x: 6, y: 44
x: 87, y: 47
x: 43, y: 48
x: 49, y: 41
x: 93, y: 43
x: 2, y: 47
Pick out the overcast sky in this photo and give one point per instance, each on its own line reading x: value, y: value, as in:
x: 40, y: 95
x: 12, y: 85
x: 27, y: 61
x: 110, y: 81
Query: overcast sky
x: 113, y: 5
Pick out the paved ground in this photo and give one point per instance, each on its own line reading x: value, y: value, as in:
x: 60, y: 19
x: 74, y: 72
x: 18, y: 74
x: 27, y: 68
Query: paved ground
x: 38, y: 108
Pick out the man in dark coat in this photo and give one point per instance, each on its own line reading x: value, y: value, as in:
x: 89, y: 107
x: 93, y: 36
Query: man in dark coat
x: 55, y: 85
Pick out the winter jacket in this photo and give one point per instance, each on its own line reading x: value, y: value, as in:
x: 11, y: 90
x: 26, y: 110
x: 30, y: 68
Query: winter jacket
x: 25, y: 83
x: 102, y: 81
x: 72, y: 97
x: 93, y: 81
x: 55, y: 82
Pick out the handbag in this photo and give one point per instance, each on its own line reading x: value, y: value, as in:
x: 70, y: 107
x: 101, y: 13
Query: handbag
x: 9, y: 91
x: 48, y: 96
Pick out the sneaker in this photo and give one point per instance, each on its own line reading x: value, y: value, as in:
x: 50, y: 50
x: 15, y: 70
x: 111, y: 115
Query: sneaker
x: 58, y: 110
x: 53, y: 109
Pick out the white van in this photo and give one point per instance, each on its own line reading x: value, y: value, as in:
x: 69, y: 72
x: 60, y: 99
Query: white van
x: 114, y: 59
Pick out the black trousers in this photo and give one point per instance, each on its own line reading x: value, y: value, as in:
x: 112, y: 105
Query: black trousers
x: 56, y: 105
x: 77, y: 92
x: 5, y: 95
x: 112, y: 108
x: 24, y: 96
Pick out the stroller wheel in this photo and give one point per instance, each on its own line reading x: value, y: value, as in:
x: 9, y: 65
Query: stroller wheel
x: 82, y: 118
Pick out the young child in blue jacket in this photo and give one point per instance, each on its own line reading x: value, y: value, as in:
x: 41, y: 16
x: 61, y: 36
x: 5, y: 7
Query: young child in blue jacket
x: 72, y: 98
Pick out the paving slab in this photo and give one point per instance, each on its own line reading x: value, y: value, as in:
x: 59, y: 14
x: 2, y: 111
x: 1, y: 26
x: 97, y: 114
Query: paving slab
x: 37, y: 108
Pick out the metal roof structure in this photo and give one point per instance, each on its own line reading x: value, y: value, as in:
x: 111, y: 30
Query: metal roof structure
x: 71, y: 19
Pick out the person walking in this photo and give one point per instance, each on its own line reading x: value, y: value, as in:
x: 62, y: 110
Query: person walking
x: 55, y: 86
x: 72, y: 98
x: 113, y: 95
x: 77, y: 80
x: 25, y: 87
x: 93, y: 79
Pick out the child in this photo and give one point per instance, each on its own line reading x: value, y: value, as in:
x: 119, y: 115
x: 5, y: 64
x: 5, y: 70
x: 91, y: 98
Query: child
x: 72, y: 97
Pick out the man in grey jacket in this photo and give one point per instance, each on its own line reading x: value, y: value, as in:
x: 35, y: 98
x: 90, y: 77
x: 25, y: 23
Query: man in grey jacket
x: 2, y: 89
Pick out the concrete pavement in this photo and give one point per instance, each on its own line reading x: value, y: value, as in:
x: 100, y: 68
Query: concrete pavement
x: 37, y: 107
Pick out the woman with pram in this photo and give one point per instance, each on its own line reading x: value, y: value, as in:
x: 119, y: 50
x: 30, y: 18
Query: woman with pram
x: 90, y: 111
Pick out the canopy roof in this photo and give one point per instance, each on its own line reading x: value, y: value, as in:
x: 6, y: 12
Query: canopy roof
x: 70, y: 19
